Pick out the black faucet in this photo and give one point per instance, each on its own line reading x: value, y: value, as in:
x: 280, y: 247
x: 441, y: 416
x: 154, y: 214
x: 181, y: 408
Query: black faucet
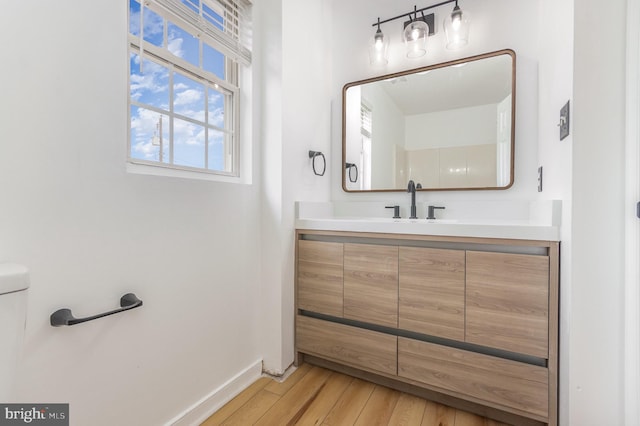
x: 431, y: 211
x: 411, y: 187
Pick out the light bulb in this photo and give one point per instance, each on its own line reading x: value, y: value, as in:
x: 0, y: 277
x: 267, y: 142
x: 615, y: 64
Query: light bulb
x: 379, y: 43
x: 455, y: 22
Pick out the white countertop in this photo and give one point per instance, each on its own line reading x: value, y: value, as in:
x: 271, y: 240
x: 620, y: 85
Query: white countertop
x: 521, y: 230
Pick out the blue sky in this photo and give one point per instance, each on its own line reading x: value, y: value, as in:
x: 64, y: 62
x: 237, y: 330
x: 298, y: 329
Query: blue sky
x: 149, y: 85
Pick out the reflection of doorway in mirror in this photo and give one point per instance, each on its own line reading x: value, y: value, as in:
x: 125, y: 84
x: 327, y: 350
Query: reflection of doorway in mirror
x: 365, y: 163
x: 366, y: 129
x: 503, y: 160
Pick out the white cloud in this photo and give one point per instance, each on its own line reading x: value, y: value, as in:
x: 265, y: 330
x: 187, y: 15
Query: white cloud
x: 187, y: 133
x: 216, y: 117
x: 175, y: 46
x: 188, y: 97
x: 153, y: 23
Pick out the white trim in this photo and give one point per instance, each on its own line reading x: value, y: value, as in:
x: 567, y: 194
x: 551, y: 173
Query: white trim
x: 632, y: 223
x: 158, y: 169
x: 205, y: 407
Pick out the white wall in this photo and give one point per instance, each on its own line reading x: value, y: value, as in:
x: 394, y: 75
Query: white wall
x: 555, y: 156
x: 497, y: 24
x: 597, y: 221
x: 89, y: 232
x: 295, y: 120
x: 473, y: 126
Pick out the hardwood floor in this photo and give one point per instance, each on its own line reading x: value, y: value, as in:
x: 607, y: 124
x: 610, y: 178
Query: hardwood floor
x: 316, y: 396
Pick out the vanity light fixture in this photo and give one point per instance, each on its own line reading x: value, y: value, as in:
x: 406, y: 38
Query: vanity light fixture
x: 456, y: 27
x: 379, y: 48
x: 417, y: 31
x: 415, y: 35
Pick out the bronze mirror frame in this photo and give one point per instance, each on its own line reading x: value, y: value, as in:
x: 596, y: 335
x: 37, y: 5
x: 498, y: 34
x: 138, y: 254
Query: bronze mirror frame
x: 346, y: 169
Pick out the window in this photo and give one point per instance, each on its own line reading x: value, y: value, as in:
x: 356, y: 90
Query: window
x: 184, y: 59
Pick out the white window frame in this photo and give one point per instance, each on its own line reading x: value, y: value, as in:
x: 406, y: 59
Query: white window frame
x: 239, y: 168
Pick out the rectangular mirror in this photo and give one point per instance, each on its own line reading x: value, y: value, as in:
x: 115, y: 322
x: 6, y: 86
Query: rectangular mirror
x: 448, y: 126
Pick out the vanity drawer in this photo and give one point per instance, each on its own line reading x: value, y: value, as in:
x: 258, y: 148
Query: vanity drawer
x: 357, y: 347
x: 497, y: 381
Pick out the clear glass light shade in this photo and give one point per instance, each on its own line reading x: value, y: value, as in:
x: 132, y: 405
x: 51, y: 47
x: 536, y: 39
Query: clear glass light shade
x: 379, y: 49
x: 416, y: 35
x: 456, y: 28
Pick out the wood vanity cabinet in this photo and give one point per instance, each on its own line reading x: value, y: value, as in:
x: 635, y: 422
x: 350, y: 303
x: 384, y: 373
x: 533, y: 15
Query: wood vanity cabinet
x: 371, y: 283
x: 469, y: 322
x: 507, y: 302
x: 431, y: 294
x: 320, y: 271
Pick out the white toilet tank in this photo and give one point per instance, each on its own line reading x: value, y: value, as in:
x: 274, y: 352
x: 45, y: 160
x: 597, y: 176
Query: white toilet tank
x: 14, y: 282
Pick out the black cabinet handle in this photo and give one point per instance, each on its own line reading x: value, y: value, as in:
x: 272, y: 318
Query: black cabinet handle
x: 65, y: 317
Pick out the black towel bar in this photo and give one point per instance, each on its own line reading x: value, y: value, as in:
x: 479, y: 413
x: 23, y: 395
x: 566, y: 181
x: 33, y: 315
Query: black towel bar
x: 65, y: 317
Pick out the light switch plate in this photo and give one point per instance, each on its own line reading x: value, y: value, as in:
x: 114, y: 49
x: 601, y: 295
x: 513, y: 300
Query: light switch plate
x: 540, y: 179
x: 564, y: 121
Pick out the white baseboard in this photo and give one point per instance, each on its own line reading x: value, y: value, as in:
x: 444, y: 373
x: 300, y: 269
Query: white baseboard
x: 201, y: 410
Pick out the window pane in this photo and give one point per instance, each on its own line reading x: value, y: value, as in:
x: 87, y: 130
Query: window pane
x: 216, y: 108
x: 149, y: 135
x: 183, y: 45
x: 188, y: 144
x: 192, y: 4
x: 188, y: 97
x: 153, y: 24
x: 217, y: 150
x: 153, y: 28
x: 151, y: 85
x: 134, y: 18
x: 213, y: 17
x: 213, y: 61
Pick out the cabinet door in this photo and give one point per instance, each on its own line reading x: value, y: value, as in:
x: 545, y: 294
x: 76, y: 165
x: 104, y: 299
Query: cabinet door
x: 354, y: 346
x: 508, y: 302
x: 371, y: 283
x: 320, y: 268
x: 431, y: 294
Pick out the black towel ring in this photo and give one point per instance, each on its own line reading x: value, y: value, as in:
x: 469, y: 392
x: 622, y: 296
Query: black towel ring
x: 313, y: 155
x: 350, y: 167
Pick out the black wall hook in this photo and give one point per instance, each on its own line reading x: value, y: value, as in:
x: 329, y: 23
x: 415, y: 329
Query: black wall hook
x: 313, y: 155
x: 65, y: 317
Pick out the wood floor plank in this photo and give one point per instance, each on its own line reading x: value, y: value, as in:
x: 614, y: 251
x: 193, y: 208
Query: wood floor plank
x: 490, y: 422
x: 315, y: 395
x: 331, y: 392
x: 409, y: 411
x: 290, y: 407
x: 348, y: 408
x: 280, y: 388
x: 379, y: 408
x: 467, y: 419
x: 438, y: 415
x: 230, y: 407
x: 253, y: 409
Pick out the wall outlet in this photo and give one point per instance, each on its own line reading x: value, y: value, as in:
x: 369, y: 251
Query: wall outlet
x: 540, y: 179
x: 564, y: 121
